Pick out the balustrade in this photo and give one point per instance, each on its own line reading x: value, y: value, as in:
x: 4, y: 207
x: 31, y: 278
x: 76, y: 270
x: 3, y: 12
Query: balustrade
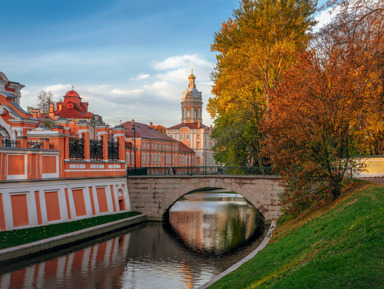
x: 8, y: 143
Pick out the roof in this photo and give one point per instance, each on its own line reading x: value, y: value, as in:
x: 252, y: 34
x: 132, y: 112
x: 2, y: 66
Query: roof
x: 73, y: 107
x: 72, y: 113
x: 184, y: 148
x: 72, y: 93
x: 144, y: 131
x: 192, y: 125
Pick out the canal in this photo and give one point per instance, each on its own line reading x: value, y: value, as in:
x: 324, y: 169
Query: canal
x: 207, y: 232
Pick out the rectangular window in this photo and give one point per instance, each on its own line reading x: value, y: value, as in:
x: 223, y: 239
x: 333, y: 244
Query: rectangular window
x: 147, y: 157
x: 187, y: 136
x: 155, y: 159
x: 132, y: 158
x: 181, y: 137
x: 143, y: 159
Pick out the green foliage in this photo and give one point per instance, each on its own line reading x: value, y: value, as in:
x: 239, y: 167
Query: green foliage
x: 337, y: 247
x: 23, y: 236
x: 254, y: 48
x: 237, y: 139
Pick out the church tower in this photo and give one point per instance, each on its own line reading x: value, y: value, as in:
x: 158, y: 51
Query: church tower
x: 191, y: 103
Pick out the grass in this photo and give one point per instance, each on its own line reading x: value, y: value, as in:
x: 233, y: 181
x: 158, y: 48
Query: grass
x: 340, y: 245
x: 23, y: 236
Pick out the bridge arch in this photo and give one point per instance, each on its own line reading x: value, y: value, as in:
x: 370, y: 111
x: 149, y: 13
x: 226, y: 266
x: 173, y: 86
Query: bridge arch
x: 217, y: 184
x: 154, y: 195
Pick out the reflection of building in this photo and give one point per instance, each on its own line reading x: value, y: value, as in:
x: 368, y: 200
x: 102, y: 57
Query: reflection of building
x: 225, y: 225
x: 191, y: 131
x: 154, y: 149
x: 69, y: 271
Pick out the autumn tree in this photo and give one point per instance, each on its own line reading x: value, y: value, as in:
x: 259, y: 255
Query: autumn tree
x: 254, y: 48
x: 325, y: 110
x: 159, y: 128
x: 359, y: 27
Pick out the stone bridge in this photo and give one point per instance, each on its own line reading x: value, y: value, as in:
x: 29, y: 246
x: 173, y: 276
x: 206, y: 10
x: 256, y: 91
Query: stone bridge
x: 154, y: 195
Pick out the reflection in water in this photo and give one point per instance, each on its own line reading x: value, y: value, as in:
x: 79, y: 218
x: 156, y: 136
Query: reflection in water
x: 214, y: 223
x: 145, y: 257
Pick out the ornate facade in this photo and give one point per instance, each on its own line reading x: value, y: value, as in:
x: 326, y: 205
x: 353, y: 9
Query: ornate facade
x: 191, y: 131
x: 42, y: 158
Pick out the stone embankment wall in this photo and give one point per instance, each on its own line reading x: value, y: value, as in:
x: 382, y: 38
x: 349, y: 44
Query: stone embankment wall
x: 25, y: 204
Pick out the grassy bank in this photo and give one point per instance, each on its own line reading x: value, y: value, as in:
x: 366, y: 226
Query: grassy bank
x: 338, y: 246
x: 23, y: 236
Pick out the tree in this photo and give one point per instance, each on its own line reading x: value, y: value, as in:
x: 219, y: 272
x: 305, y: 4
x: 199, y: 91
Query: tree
x: 359, y: 27
x: 159, y: 128
x: 254, y: 48
x: 45, y: 99
x: 327, y: 110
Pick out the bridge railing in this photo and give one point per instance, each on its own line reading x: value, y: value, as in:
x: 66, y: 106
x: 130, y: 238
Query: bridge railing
x: 206, y: 170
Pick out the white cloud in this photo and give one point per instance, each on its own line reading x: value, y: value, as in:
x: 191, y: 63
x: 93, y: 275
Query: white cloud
x: 126, y: 92
x: 58, y: 88
x: 142, y: 76
x: 176, y: 62
x: 325, y: 17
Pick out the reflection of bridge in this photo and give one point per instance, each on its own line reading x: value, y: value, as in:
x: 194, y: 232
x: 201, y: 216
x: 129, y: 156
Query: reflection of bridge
x: 154, y: 195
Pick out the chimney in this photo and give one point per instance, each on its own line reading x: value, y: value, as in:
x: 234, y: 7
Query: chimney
x: 51, y: 108
x: 151, y: 124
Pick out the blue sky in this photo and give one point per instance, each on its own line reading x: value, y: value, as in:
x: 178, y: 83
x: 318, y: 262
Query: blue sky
x: 128, y: 59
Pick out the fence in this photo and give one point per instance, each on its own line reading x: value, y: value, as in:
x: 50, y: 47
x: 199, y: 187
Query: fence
x: 207, y: 170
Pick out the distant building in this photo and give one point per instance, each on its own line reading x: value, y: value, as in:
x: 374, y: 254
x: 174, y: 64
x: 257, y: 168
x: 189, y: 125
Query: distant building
x: 154, y: 149
x: 72, y: 108
x: 191, y: 131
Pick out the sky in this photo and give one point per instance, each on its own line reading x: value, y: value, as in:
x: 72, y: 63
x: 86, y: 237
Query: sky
x: 127, y: 59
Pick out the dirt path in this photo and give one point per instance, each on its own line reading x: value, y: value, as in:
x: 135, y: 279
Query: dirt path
x: 378, y: 181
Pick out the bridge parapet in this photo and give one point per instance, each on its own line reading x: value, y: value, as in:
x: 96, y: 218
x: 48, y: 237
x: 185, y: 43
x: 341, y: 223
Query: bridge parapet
x: 154, y: 195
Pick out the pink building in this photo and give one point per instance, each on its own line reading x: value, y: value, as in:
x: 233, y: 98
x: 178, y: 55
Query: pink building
x: 59, y: 168
x: 154, y: 149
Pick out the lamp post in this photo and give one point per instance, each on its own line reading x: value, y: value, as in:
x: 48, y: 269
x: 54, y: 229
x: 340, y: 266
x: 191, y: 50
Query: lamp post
x: 134, y: 143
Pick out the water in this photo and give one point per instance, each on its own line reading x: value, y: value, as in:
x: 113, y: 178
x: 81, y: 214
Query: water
x: 208, y: 232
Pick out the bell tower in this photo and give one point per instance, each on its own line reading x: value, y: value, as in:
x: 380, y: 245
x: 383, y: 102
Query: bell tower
x: 191, y: 103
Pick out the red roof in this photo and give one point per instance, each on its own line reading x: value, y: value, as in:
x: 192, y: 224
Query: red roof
x: 144, y: 131
x: 184, y: 148
x: 73, y: 107
x: 192, y: 125
x: 72, y: 93
x: 73, y: 113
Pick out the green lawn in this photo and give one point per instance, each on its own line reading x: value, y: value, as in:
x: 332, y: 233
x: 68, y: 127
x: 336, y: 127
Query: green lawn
x: 338, y: 246
x: 22, y: 236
